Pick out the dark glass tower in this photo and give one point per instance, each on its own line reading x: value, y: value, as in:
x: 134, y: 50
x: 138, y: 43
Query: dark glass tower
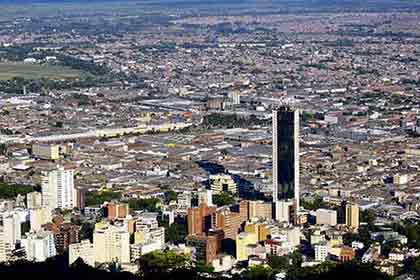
x: 286, y: 155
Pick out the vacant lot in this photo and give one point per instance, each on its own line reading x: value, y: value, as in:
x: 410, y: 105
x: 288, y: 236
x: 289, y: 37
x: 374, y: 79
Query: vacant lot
x: 36, y: 71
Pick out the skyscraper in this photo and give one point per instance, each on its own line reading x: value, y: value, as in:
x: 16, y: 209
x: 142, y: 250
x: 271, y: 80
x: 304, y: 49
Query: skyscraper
x: 352, y: 215
x: 286, y: 155
x: 58, y: 188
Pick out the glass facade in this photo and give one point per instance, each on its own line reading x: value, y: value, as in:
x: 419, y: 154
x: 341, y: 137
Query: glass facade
x: 286, y: 154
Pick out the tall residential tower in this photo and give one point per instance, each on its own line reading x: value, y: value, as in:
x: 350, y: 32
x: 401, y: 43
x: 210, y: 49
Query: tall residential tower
x: 58, y: 188
x: 286, y: 156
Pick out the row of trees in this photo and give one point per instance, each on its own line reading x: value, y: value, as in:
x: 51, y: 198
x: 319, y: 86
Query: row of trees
x: 148, y: 204
x: 233, y: 120
x: 223, y: 199
x: 170, y: 265
x: 9, y: 191
x: 85, y: 80
x: 97, y: 198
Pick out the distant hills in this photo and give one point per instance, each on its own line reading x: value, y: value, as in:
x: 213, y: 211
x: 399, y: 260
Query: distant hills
x: 295, y: 5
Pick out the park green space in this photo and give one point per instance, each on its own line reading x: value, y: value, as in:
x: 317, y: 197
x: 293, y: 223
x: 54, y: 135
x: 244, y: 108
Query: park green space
x: 30, y: 71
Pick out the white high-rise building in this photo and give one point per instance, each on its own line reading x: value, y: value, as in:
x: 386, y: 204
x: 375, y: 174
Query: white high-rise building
x: 184, y: 200
x: 137, y: 250
x: 39, y: 217
x: 58, y: 189
x: 286, y: 155
x: 321, y: 252
x: 111, y: 244
x: 283, y: 210
x: 293, y: 236
x: 3, y: 256
x: 326, y: 217
x: 34, y: 200
x: 235, y: 97
x: 12, y: 230
x: 39, y: 246
x: 84, y: 250
x: 205, y: 196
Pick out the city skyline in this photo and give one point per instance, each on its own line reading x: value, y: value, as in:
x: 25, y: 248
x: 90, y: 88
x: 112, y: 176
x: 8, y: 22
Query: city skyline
x: 186, y: 139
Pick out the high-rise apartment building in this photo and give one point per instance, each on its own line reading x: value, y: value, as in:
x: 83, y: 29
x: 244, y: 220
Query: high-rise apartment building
x: 205, y: 196
x: 220, y: 236
x: 227, y: 221
x: 199, y: 219
x: 66, y: 234
x: 352, y: 215
x: 242, y: 241
x: 111, y: 244
x: 34, y: 200
x: 83, y: 250
x: 235, y: 97
x: 284, y: 211
x: 321, y: 251
x: 326, y: 217
x: 46, y: 151
x: 12, y: 230
x: 205, y: 247
x: 286, y: 155
x: 116, y: 210
x: 137, y: 250
x: 39, y: 217
x: 80, y: 198
x: 58, y: 188
x: 39, y: 245
x: 184, y: 200
x: 3, y: 256
x: 223, y: 183
x: 260, y: 209
x: 262, y: 230
x: 243, y: 210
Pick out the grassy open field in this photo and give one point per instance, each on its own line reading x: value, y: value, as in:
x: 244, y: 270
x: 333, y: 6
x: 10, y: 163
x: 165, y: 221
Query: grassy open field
x: 36, y: 71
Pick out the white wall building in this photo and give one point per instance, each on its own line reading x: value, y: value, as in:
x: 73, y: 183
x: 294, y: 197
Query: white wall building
x: 3, y: 256
x: 58, y: 188
x: 205, y: 196
x: 111, y: 243
x: 326, y: 217
x: 184, y: 200
x: 137, y: 250
x: 12, y: 230
x: 34, y: 200
x: 321, y: 252
x: 39, y: 217
x: 84, y: 250
x: 39, y: 246
x: 283, y: 210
